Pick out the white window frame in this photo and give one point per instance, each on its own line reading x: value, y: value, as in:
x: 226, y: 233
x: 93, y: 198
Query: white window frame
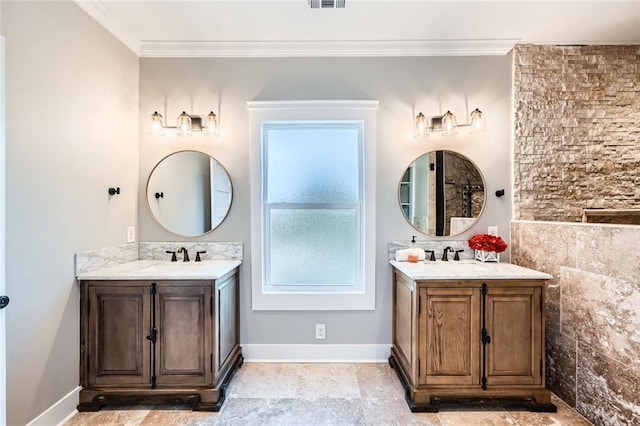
x: 267, y: 207
x: 262, y: 112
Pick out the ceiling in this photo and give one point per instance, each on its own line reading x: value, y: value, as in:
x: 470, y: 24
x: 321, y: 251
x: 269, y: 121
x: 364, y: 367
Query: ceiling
x: 265, y: 28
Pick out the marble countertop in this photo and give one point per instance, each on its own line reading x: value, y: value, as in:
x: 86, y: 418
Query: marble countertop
x: 163, y: 269
x: 467, y: 270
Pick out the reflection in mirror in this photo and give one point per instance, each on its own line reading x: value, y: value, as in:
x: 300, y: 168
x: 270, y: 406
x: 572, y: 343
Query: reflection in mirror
x: 189, y: 193
x: 442, y: 193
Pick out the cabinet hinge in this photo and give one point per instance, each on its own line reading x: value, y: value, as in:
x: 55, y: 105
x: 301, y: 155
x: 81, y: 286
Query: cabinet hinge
x: 484, y: 335
x: 540, y: 367
x: 153, y: 335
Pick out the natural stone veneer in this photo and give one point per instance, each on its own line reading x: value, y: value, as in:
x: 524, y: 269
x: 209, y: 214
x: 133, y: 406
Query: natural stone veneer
x: 593, y: 313
x: 609, y: 391
x: 561, y: 365
x: 603, y: 313
x: 577, y: 130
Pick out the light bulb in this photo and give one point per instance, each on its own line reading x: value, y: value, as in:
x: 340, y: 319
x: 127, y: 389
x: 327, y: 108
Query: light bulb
x: 184, y: 124
x: 211, y: 124
x: 422, y: 128
x: 449, y: 124
x: 156, y: 124
x: 478, y: 123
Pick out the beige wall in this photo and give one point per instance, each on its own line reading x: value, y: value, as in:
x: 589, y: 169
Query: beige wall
x: 72, y: 119
x: 404, y: 86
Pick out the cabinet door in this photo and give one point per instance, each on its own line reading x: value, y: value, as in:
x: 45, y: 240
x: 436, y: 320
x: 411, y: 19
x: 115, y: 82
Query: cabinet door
x: 449, y: 342
x: 183, y: 317
x: 514, y: 324
x: 118, y: 351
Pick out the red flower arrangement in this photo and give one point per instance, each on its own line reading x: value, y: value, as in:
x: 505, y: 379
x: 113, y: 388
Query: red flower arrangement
x: 486, y: 242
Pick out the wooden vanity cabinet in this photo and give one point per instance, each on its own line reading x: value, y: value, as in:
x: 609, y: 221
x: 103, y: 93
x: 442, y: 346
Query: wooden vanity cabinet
x: 158, y: 341
x: 469, y: 342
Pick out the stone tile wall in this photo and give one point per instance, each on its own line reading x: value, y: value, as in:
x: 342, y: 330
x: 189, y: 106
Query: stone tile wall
x: 593, y: 313
x: 577, y: 130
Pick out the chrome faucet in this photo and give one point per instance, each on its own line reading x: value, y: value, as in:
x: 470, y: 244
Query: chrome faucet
x: 445, y: 253
x: 186, y: 254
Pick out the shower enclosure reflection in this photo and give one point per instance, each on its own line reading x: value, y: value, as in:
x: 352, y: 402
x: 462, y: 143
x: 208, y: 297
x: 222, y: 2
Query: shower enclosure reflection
x: 442, y: 193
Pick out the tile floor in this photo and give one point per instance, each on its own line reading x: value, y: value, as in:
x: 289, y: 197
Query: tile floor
x: 320, y: 394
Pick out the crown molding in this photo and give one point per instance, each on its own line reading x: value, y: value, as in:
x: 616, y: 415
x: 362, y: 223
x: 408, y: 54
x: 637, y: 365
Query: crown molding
x: 110, y: 23
x: 279, y: 49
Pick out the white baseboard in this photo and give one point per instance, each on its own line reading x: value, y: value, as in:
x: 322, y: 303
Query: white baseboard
x: 60, y: 412
x: 66, y: 419
x: 315, y: 353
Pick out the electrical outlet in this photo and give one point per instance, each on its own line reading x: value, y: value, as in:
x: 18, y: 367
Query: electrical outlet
x: 131, y: 234
x: 492, y: 230
x: 321, y: 331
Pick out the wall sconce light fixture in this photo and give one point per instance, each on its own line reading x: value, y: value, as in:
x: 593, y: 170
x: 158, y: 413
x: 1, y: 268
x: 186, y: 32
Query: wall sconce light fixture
x: 447, y: 124
x: 187, y: 124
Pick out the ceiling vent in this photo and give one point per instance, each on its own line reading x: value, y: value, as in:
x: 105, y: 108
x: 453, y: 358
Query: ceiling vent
x: 326, y: 4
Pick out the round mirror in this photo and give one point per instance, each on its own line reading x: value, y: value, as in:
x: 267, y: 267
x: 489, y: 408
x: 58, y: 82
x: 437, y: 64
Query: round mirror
x: 442, y: 193
x: 189, y: 193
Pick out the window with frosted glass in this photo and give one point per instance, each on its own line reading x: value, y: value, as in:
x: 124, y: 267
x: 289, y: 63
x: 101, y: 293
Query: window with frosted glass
x: 312, y: 194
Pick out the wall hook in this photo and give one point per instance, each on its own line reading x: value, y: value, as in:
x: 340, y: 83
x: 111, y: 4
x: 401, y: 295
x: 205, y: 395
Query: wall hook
x: 159, y: 195
x: 500, y: 193
x: 114, y: 191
